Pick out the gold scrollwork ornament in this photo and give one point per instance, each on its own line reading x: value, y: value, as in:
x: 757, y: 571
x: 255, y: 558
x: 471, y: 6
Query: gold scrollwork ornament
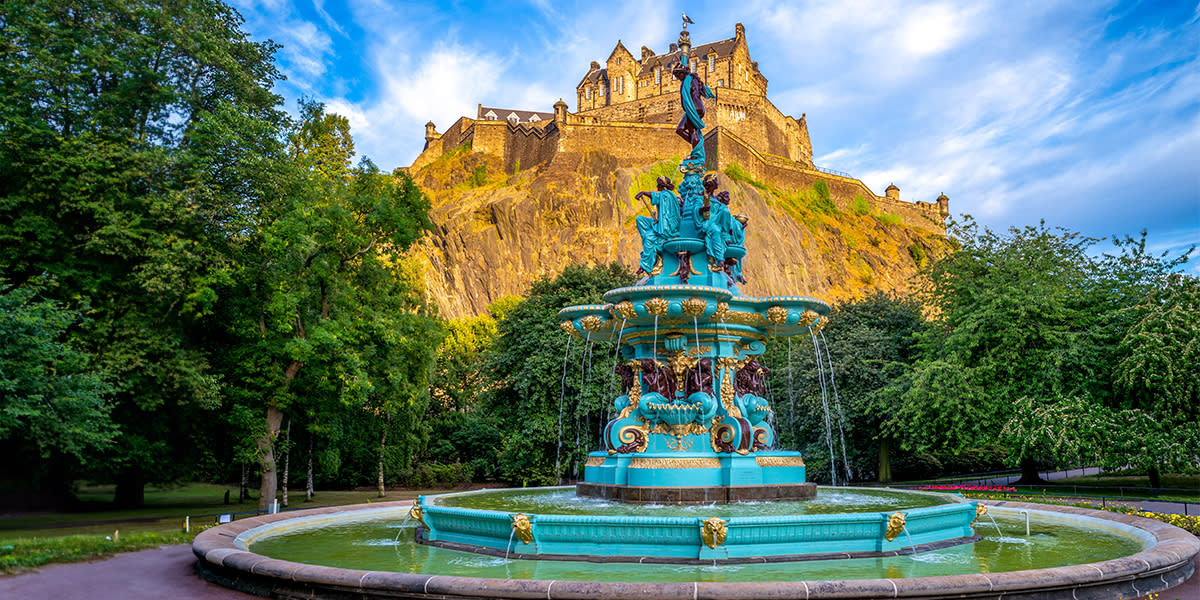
x: 625, y: 310
x: 808, y: 317
x: 713, y: 531
x: 694, y: 307
x: 418, y: 513
x: 895, y: 526
x: 980, y: 510
x: 522, y: 527
x: 721, y: 312
x: 591, y: 322
x: 567, y: 326
x: 656, y: 307
x: 777, y: 315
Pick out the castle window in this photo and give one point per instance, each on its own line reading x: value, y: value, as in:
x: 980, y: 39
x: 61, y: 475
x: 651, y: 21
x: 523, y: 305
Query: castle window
x: 658, y: 75
x: 514, y: 118
x: 587, y: 92
x: 720, y: 83
x: 534, y: 119
x: 695, y: 65
x: 712, y: 63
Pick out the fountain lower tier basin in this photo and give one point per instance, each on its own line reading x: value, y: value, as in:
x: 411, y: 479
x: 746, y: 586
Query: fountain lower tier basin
x: 710, y: 536
x: 367, y: 551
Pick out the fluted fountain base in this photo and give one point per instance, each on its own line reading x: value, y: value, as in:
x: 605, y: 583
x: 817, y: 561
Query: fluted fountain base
x: 719, y: 494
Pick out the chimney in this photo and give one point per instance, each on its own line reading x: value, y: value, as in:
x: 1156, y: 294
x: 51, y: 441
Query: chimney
x: 674, y: 47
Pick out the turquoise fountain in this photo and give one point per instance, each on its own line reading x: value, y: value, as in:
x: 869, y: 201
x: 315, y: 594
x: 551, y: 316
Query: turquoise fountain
x: 693, y: 424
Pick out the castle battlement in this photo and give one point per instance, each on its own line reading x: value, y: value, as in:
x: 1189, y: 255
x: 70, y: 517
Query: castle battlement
x: 629, y: 108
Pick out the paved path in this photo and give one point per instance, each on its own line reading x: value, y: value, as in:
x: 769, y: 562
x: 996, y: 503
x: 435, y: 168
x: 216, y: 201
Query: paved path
x: 167, y: 572
x: 164, y: 572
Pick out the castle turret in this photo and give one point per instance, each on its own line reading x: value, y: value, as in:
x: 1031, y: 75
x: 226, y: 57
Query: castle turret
x: 560, y: 111
x: 430, y: 133
x: 943, y: 204
x: 892, y: 192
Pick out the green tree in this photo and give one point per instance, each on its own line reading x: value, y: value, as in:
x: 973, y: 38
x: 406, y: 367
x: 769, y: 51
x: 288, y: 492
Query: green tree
x: 53, y: 400
x: 322, y: 281
x: 528, y: 386
x: 118, y: 179
x: 1022, y: 344
x: 1158, y: 375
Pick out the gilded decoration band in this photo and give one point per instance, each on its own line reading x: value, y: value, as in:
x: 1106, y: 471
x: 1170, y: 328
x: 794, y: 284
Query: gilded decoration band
x: 645, y: 462
x: 779, y: 461
x: 595, y: 461
x: 719, y: 334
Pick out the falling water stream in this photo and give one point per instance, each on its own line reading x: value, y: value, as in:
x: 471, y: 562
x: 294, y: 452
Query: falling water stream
x: 561, y: 396
x: 612, y: 381
x: 825, y: 406
x: 837, y: 404
x: 791, y: 419
x: 584, y: 363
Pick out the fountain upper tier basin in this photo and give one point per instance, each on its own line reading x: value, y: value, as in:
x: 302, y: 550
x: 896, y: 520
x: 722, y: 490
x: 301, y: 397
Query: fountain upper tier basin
x: 636, y: 308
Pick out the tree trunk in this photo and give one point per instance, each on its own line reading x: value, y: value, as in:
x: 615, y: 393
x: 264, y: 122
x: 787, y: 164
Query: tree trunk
x: 382, y: 446
x: 266, y: 448
x: 1029, y: 473
x: 244, y: 492
x: 1155, y: 477
x: 287, y: 461
x: 885, y: 460
x: 308, y: 482
x: 131, y: 488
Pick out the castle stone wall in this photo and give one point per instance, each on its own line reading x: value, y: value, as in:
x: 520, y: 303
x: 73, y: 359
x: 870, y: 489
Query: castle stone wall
x: 526, y: 147
x: 630, y: 143
x: 724, y: 148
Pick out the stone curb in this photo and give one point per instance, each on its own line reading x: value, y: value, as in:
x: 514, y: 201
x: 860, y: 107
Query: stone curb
x: 1163, y: 565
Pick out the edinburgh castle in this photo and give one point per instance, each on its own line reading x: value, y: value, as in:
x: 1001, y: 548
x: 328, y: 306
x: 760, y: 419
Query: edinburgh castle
x: 560, y: 183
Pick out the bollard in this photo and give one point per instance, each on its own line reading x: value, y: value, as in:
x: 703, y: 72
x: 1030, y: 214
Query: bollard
x: 187, y: 524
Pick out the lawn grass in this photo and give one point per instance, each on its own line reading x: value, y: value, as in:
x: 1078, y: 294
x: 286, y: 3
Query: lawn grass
x: 22, y: 554
x: 165, y: 509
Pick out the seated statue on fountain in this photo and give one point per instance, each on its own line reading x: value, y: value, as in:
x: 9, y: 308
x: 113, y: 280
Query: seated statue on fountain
x: 656, y: 231
x: 716, y: 226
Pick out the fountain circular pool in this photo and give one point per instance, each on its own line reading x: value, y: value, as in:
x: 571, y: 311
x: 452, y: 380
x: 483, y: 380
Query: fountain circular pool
x: 370, y: 551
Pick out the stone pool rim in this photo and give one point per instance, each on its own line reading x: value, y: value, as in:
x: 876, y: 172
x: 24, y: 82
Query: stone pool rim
x: 1164, y: 564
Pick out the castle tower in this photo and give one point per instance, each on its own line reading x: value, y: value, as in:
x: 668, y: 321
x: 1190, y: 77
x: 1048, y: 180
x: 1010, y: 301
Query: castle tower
x: 943, y: 204
x: 560, y: 111
x: 892, y: 192
x: 430, y: 133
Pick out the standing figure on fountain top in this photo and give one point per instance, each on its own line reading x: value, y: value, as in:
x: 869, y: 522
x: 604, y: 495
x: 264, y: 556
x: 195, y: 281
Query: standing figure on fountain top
x: 692, y: 92
x: 658, y: 230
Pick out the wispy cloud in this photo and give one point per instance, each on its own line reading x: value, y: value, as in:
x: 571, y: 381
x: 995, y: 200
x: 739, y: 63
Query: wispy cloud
x: 1083, y: 114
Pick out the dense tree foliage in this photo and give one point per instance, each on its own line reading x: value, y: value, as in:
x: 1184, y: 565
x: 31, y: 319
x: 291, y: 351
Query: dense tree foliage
x: 1023, y: 348
x: 550, y: 393
x: 217, y: 250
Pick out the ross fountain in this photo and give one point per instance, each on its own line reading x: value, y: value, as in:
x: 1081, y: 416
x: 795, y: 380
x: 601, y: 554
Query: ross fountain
x: 688, y: 482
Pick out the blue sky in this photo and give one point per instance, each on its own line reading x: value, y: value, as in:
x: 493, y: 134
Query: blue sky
x: 1085, y: 114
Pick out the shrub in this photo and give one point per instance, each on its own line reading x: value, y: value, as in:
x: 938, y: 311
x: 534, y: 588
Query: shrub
x: 736, y: 173
x: 859, y: 205
x: 478, y: 177
x: 917, y: 252
x: 889, y: 219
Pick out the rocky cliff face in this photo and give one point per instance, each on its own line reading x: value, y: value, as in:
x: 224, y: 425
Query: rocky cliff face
x: 494, y: 234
